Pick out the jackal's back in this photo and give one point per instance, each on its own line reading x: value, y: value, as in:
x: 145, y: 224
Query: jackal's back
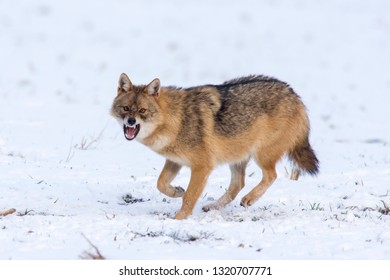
x: 244, y: 99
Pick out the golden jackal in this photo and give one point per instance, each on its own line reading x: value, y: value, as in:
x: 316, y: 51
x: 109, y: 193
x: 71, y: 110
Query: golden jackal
x: 202, y: 127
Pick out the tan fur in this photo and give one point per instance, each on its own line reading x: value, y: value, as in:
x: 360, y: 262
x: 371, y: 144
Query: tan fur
x: 205, y: 126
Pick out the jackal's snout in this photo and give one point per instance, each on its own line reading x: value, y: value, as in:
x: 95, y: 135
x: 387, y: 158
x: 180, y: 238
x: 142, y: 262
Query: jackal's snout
x: 131, y: 121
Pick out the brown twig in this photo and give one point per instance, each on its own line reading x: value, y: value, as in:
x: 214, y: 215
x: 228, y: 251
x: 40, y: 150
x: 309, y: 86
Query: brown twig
x: 7, y: 212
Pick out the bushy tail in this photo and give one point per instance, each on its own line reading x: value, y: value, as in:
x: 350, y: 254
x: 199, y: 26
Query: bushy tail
x: 304, y: 160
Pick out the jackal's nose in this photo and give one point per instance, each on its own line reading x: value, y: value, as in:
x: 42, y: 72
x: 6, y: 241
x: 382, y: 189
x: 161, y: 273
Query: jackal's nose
x: 131, y: 121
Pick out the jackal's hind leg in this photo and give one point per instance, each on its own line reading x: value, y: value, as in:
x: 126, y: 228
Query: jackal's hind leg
x: 237, y: 182
x: 266, y: 160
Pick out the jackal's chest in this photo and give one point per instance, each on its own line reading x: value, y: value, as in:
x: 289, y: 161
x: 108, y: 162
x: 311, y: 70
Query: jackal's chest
x: 158, y: 143
x: 164, y: 146
x: 180, y: 159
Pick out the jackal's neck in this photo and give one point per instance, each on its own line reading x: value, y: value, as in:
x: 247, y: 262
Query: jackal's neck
x: 171, y: 101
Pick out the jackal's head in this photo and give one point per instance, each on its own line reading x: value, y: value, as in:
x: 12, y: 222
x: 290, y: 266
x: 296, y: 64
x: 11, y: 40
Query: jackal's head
x: 136, y: 108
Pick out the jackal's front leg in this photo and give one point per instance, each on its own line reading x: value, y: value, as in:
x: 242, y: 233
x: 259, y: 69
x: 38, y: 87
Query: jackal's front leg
x: 195, y: 188
x: 167, y: 175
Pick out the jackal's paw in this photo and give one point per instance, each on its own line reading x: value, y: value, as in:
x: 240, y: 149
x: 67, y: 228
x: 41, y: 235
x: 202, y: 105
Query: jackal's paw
x: 211, y: 206
x: 181, y: 215
x: 179, y: 192
x: 248, y: 200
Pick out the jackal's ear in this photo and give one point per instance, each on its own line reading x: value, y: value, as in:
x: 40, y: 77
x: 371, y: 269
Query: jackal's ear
x: 154, y: 87
x: 124, y: 83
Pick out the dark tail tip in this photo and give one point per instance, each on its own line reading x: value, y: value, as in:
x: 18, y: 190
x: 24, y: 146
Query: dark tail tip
x: 305, y: 159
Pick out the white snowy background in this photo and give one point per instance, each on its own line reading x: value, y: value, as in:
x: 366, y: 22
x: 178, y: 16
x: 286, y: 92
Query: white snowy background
x: 65, y: 165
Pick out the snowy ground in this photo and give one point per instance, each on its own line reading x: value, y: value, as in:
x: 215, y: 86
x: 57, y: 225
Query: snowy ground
x: 65, y: 165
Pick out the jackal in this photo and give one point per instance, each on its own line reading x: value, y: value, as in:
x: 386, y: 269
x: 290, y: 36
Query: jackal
x: 201, y: 127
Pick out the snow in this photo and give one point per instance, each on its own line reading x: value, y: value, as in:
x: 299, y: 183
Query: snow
x: 65, y: 165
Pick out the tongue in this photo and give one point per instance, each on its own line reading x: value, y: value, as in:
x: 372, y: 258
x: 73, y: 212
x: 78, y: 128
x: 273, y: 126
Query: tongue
x: 130, y: 132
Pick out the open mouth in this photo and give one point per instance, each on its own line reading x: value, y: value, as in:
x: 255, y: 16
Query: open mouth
x: 131, y: 131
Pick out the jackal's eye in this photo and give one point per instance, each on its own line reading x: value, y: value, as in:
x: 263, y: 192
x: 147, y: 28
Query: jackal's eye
x: 142, y: 110
x: 126, y: 108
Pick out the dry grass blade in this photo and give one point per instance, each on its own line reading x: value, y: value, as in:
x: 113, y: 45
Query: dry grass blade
x: 25, y: 213
x: 96, y: 255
